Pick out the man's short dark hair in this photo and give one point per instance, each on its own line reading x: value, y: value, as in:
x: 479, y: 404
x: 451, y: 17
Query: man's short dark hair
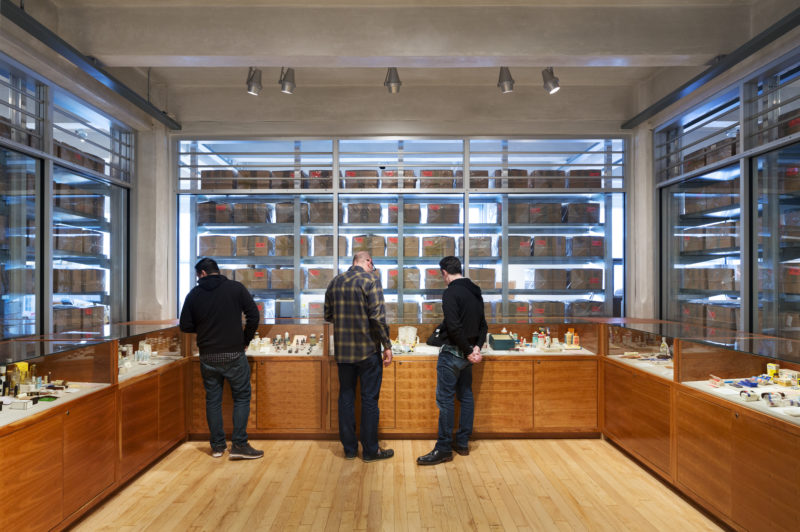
x: 451, y: 265
x: 206, y: 265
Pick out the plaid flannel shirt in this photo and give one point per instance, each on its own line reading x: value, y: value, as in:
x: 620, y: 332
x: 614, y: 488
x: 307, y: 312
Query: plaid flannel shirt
x: 354, y: 304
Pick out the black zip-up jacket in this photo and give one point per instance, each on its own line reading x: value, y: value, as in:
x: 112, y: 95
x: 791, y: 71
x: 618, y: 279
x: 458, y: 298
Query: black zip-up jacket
x: 464, y: 322
x: 213, y: 310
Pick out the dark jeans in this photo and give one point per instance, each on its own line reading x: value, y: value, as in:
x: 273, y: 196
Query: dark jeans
x: 238, y: 374
x: 370, y: 372
x: 454, y: 378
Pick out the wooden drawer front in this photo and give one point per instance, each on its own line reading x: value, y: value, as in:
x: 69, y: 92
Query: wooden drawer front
x: 198, y: 419
x: 90, y: 450
x: 565, y: 395
x: 139, y: 420
x: 503, y: 396
x: 416, y: 396
x: 704, y: 450
x: 289, y: 394
x: 766, y: 459
x: 171, y: 411
x: 386, y: 402
x: 637, y: 414
x: 32, y: 461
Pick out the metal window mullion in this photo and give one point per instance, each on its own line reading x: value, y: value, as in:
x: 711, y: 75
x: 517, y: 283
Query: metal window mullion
x: 298, y: 290
x: 401, y: 251
x: 504, y: 256
x: 748, y: 252
x: 120, y: 216
x: 44, y: 260
x: 608, y: 296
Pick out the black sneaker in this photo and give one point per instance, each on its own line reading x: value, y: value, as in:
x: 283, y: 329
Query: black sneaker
x: 244, y: 452
x: 350, y: 456
x: 382, y: 454
x: 217, y: 452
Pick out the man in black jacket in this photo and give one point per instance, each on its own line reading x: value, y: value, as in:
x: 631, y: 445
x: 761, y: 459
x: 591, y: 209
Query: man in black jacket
x: 213, y: 310
x: 464, y: 332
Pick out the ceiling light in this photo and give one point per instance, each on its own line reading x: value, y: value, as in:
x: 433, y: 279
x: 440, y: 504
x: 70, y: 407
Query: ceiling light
x: 550, y: 80
x: 254, y: 81
x: 392, y: 81
x: 82, y: 134
x: 287, y: 80
x: 506, y: 82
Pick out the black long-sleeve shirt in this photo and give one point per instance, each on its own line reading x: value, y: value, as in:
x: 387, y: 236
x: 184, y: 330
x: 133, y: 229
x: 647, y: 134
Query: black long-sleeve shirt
x: 464, y: 320
x: 213, y: 310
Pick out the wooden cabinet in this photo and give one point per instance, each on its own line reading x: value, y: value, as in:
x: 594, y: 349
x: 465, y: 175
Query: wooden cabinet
x: 171, y: 409
x: 289, y: 394
x: 415, y: 392
x: 704, y: 433
x: 138, y: 424
x: 565, y: 395
x: 637, y: 414
x: 90, y: 444
x: 33, y: 466
x: 503, y: 393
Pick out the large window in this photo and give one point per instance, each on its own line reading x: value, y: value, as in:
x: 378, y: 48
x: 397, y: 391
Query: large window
x: 539, y: 224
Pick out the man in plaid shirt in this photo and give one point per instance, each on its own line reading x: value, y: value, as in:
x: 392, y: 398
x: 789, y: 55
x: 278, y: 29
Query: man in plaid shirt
x: 354, y: 304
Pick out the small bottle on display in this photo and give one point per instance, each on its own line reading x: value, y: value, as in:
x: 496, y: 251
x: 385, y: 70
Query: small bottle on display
x: 576, y: 340
x: 663, y: 350
x: 568, y: 337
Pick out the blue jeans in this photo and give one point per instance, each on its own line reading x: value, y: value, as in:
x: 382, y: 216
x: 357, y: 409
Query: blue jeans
x: 238, y: 374
x: 454, y: 379
x: 370, y: 372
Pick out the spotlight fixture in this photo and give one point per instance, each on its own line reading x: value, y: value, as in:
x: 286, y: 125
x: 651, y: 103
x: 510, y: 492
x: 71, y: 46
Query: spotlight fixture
x: 254, y: 81
x: 392, y: 81
x: 287, y: 80
x: 82, y: 134
x: 506, y: 82
x: 550, y: 80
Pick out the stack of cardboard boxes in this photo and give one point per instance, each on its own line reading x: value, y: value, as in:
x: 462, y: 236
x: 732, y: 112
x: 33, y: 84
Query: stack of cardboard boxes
x: 443, y: 213
x: 411, y: 213
x: 373, y: 244
x: 410, y: 246
x: 410, y: 312
x: 411, y: 279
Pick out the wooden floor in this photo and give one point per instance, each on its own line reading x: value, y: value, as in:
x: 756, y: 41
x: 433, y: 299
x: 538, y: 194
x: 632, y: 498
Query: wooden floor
x: 307, y: 485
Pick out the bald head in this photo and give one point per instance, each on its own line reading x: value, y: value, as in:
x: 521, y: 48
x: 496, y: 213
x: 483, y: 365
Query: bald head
x: 364, y: 260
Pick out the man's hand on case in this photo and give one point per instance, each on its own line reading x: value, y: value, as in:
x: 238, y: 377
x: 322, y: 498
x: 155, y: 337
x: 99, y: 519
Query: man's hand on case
x: 387, y: 357
x: 475, y: 357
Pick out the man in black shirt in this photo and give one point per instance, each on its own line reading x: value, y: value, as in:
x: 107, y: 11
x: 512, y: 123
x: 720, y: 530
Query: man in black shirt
x: 213, y: 310
x: 464, y: 332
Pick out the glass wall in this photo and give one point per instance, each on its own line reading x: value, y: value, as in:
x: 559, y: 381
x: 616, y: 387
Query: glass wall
x: 539, y: 224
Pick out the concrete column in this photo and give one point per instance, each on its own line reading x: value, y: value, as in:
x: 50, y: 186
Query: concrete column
x: 642, y: 236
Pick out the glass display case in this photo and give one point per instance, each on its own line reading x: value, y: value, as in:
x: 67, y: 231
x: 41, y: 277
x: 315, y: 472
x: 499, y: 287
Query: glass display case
x: 772, y: 106
x: 21, y: 107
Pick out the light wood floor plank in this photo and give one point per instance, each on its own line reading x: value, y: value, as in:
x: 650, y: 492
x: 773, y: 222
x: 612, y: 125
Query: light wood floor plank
x: 539, y: 485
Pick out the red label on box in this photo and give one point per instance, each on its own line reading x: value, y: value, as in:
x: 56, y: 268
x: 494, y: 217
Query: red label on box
x: 434, y: 207
x: 392, y: 273
x: 536, y: 209
x: 712, y: 313
x: 792, y: 171
x: 794, y: 122
x: 315, y: 173
x: 523, y: 244
x: 221, y: 207
x: 350, y: 173
x: 522, y: 308
x: 432, y: 271
x: 594, y: 172
x: 428, y: 242
x: 258, y: 274
x: 600, y: 242
x: 260, y: 307
x: 541, y: 242
x: 427, y: 306
x: 313, y: 272
x: 260, y: 244
x: 596, y: 309
x: 392, y: 207
x: 393, y: 239
x: 794, y: 271
x: 591, y: 208
x: 358, y: 239
x: 539, y: 310
x: 88, y: 312
x: 594, y: 279
x: 426, y: 173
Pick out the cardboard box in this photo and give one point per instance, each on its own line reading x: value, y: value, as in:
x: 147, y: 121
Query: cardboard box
x: 544, y: 213
x: 548, y: 179
x: 250, y: 213
x: 517, y: 178
x: 789, y: 123
x: 62, y: 280
x: 284, y: 213
x: 549, y: 246
x: 375, y: 245
x: 433, y: 279
x: 361, y: 179
x: 694, y: 201
x: 549, y: 279
x: 253, y: 246
x: 215, y: 246
x: 722, y: 316
x: 586, y: 279
x: 410, y: 246
x: 228, y: 273
x: 721, y: 150
x: 20, y: 280
x: 518, y: 309
x: 431, y: 311
x: 253, y: 179
x: 364, y: 213
x: 217, y: 179
x: 93, y: 318
x: 519, y: 213
x: 789, y: 178
x: 586, y: 309
x: 479, y: 246
x: 323, y: 246
x: 694, y: 279
x: 722, y: 236
x: 438, y: 246
x: 253, y: 278
x: 694, y: 160
x: 692, y: 240
x: 284, y: 246
x: 283, y: 179
x: 694, y: 313
x: 319, y: 278
x: 436, y: 179
x: 584, y: 213
x: 282, y: 278
x: 585, y: 179
x: 390, y: 179
x: 587, y: 246
x: 722, y: 194
x: 411, y: 213
x: 721, y: 279
x: 488, y: 309
x: 411, y: 279
x: 322, y: 179
x: 410, y: 312
x: 547, y: 309
x: 485, y: 278
x: 443, y: 213
x: 519, y: 246
x: 477, y: 178
x: 210, y: 212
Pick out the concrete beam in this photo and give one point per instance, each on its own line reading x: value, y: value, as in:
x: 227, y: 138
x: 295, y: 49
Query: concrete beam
x: 651, y: 35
